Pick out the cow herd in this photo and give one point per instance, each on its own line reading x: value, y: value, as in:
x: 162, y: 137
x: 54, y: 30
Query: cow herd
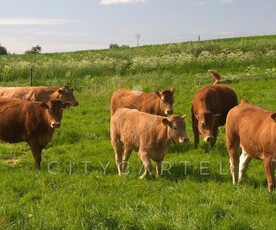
x: 31, y: 114
x: 144, y: 122
x: 139, y: 122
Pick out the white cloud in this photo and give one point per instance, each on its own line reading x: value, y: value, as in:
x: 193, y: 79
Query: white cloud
x: 34, y: 21
x: 226, y: 1
x: 201, y: 2
x: 109, y: 2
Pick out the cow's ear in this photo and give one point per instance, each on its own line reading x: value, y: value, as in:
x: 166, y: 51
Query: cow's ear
x: 44, y: 105
x: 166, y: 122
x: 273, y: 116
x: 172, y: 89
x: 72, y: 89
x: 158, y: 93
x: 184, y: 116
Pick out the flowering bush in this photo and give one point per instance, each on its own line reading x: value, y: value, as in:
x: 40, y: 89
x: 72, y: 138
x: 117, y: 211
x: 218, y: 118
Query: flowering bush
x: 193, y: 57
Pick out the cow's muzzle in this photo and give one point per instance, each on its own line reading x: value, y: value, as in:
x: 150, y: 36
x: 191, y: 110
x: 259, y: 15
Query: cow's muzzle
x: 76, y: 104
x: 169, y: 111
x: 183, y: 140
x: 55, y: 125
x: 209, y: 139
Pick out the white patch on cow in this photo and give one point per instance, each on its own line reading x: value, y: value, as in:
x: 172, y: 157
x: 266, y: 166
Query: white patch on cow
x: 244, y: 162
x: 137, y: 90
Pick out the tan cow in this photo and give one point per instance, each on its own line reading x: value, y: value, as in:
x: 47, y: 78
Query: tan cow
x: 254, y: 130
x: 149, y: 135
x: 159, y: 103
x: 31, y: 122
x: 209, y: 109
x: 40, y: 93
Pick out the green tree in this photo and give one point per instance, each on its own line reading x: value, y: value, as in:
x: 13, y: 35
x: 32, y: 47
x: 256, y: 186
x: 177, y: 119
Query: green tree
x: 3, y: 50
x: 34, y: 50
x: 114, y: 46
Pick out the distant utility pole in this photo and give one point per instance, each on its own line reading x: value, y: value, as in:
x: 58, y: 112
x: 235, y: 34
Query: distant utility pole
x: 138, y: 36
x: 198, y: 37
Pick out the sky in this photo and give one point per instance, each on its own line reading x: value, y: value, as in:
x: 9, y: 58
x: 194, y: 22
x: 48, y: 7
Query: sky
x: 71, y: 25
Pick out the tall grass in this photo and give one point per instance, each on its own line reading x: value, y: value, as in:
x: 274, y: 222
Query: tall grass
x: 78, y: 186
x: 231, y: 55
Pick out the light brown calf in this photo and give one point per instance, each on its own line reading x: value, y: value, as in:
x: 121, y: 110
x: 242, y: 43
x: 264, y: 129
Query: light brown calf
x: 40, y: 93
x: 148, y: 134
x: 159, y: 103
x: 254, y: 130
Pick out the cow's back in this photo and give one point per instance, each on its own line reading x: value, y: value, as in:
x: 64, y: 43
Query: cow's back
x: 130, y: 125
x: 124, y: 98
x: 37, y: 93
x: 14, y: 92
x: 253, y: 128
x: 228, y: 100
x: 120, y: 99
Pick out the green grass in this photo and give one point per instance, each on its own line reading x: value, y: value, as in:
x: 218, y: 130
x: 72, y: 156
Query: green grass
x: 78, y: 186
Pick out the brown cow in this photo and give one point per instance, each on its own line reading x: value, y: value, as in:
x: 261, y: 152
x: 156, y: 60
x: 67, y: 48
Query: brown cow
x: 40, y: 93
x: 209, y: 110
x: 158, y: 103
x: 149, y: 135
x: 31, y: 122
x: 254, y: 130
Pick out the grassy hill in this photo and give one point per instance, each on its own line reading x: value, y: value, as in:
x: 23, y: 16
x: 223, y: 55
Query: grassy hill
x: 78, y: 186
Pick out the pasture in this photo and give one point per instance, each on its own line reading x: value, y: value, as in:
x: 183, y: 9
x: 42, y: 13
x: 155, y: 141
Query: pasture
x: 78, y: 186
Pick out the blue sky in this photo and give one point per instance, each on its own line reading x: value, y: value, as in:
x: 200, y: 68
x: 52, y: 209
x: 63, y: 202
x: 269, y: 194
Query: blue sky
x: 69, y: 25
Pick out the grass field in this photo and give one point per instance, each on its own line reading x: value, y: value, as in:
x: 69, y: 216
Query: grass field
x: 78, y: 186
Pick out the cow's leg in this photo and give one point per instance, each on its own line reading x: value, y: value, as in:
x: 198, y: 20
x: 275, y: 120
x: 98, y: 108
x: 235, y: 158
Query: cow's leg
x: 270, y: 173
x: 158, y: 168
x: 118, y: 150
x: 244, y: 162
x: 144, y: 156
x: 127, y: 153
x: 36, y: 151
x: 232, y: 145
x: 195, y: 130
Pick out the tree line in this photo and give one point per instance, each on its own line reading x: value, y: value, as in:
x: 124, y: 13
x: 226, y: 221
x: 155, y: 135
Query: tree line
x: 34, y: 50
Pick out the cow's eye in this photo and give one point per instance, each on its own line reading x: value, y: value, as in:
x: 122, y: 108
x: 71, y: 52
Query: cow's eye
x: 175, y: 128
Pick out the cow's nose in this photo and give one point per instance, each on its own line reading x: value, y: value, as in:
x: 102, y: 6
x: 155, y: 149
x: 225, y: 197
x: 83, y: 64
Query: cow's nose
x: 183, y: 140
x: 55, y: 125
x: 169, y: 111
x: 76, y: 103
x: 210, y: 139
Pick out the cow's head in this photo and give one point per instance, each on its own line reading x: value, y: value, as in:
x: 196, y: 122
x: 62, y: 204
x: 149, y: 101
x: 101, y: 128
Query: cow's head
x: 54, y: 112
x: 176, y: 129
x: 67, y: 96
x: 166, y: 100
x: 207, y: 126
